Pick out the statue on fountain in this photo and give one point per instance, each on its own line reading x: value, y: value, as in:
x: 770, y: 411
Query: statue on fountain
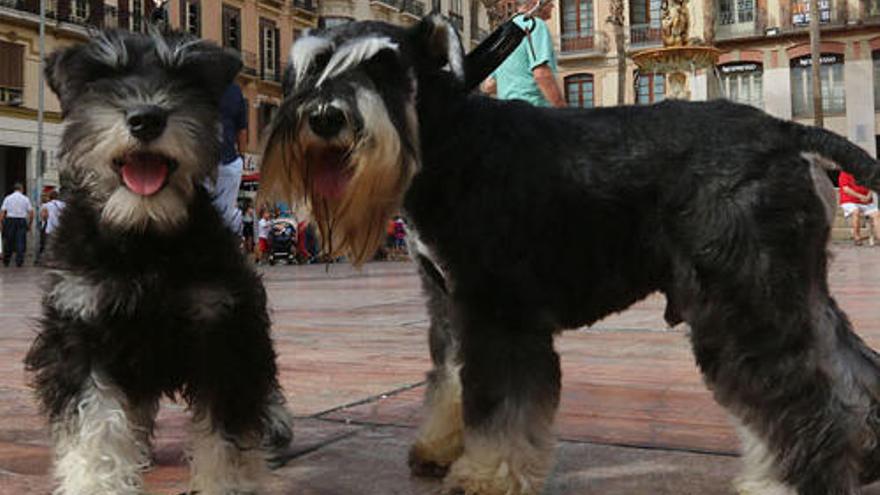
x: 675, y: 22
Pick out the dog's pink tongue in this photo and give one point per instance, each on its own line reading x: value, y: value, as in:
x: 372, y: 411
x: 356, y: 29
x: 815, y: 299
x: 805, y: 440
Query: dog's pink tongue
x: 331, y: 183
x: 331, y: 175
x: 145, y: 174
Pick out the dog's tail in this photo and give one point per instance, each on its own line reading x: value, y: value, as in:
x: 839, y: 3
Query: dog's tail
x: 850, y: 157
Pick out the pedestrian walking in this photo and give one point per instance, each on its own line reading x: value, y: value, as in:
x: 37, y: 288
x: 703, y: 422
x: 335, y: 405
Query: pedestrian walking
x: 16, y: 217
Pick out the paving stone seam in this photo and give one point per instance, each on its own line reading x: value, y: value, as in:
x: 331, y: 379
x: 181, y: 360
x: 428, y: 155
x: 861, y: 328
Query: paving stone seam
x: 367, y: 400
x: 659, y: 448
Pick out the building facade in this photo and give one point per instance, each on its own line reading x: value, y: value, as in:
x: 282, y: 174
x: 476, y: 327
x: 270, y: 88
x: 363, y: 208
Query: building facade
x: 765, y: 60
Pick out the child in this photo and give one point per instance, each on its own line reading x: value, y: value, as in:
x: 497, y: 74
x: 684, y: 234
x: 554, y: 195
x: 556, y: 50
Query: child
x: 399, y: 237
x: 263, y: 228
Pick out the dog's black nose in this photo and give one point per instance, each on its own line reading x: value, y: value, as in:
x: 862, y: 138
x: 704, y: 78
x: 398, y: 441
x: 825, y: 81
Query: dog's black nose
x: 146, y: 123
x: 327, y: 121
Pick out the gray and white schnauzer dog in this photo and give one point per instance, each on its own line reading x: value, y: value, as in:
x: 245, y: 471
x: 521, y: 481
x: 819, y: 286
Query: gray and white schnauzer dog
x: 152, y: 296
x: 717, y: 205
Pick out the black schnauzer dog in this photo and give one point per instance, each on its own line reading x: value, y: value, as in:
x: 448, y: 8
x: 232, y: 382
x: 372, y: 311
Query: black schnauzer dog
x: 151, y: 296
x: 719, y: 206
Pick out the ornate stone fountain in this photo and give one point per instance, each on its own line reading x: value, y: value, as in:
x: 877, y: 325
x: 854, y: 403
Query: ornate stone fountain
x: 679, y: 54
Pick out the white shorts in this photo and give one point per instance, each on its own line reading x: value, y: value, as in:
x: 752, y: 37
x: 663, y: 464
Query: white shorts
x: 864, y: 209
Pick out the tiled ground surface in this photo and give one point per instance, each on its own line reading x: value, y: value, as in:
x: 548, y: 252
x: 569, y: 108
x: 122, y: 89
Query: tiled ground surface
x: 635, y: 417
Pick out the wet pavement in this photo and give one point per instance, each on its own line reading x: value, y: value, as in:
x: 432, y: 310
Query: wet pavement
x: 635, y: 417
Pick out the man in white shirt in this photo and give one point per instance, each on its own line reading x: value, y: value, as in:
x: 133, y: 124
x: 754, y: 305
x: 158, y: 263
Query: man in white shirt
x: 16, y: 217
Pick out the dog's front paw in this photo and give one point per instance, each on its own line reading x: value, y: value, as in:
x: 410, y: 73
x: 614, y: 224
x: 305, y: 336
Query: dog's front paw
x: 491, y: 476
x: 425, y: 468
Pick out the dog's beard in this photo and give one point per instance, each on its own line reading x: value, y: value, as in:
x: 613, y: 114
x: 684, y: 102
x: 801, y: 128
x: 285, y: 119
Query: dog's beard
x: 349, y: 192
x: 165, y: 210
x: 91, y: 159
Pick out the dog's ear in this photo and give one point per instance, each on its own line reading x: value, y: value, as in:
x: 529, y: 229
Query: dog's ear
x: 68, y: 70
x: 217, y: 68
x: 440, y: 45
x: 52, y: 69
x: 213, y: 67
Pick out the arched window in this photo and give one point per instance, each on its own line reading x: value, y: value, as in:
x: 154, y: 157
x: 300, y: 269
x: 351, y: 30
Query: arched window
x: 742, y: 82
x: 579, y: 91
x: 833, y: 90
x: 577, y: 25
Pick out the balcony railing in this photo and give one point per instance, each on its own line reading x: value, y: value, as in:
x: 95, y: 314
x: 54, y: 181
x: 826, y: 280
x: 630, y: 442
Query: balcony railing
x: 644, y: 35
x: 729, y: 17
x: 414, y: 7
x: 270, y: 75
x: 80, y: 12
x: 386, y: 4
x: 307, y: 5
x: 576, y: 42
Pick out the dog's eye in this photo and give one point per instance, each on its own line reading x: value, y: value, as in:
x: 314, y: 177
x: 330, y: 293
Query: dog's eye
x: 318, y: 63
x: 381, y: 65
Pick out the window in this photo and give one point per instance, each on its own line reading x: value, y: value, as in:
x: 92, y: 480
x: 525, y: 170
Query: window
x: 455, y: 15
x: 876, y: 57
x: 190, y: 17
x: 742, y: 82
x: 264, y: 116
x: 231, y: 27
x: 111, y: 17
x: 579, y: 90
x: 800, y: 12
x: 79, y: 10
x: 506, y: 8
x: 650, y: 88
x: 11, y: 73
x: 645, y: 21
x: 736, y: 11
x: 872, y: 8
x: 577, y: 25
x: 137, y: 15
x: 833, y: 91
x: 435, y: 6
x: 333, y: 21
x: 268, y: 51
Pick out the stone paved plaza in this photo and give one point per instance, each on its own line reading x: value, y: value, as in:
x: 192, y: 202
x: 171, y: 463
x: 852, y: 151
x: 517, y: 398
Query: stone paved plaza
x: 635, y: 418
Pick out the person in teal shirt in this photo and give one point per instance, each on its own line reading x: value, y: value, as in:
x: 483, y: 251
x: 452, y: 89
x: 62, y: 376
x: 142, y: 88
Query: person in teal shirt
x: 529, y: 73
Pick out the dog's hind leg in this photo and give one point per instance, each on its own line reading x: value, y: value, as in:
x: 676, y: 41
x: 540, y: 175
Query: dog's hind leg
x: 788, y: 371
x: 440, y: 440
x: 97, y: 450
x: 510, y: 389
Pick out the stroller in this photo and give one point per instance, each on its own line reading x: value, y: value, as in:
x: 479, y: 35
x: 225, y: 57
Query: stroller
x: 282, y: 241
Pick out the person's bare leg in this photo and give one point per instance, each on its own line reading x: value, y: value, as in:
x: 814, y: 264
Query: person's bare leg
x: 856, y: 223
